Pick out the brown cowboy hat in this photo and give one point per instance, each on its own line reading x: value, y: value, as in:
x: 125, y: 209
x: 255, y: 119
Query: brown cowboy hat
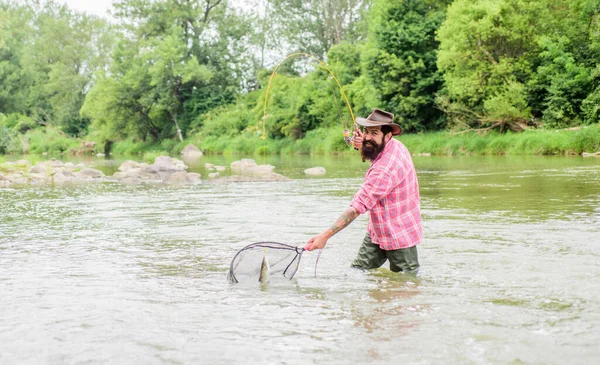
x: 379, y: 118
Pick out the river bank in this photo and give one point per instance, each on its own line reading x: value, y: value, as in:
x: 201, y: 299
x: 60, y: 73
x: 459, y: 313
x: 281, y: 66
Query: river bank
x: 580, y: 141
x: 583, y: 141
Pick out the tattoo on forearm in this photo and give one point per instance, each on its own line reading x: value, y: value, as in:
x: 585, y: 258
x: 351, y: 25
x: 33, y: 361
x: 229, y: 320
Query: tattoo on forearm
x: 345, y: 219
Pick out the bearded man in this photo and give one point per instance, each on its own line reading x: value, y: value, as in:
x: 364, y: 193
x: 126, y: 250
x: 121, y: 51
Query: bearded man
x: 390, y: 194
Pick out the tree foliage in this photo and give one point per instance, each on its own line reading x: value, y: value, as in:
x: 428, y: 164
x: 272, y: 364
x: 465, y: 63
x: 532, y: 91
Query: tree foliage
x: 175, y: 61
x: 317, y: 25
x: 509, y: 62
x: 48, y: 54
x: 400, y: 60
x: 172, y: 69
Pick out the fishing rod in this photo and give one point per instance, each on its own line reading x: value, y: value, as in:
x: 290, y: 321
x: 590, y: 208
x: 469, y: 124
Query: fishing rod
x: 346, y: 131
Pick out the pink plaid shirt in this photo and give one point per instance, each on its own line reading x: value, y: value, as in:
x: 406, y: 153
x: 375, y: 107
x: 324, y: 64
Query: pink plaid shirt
x: 391, y: 195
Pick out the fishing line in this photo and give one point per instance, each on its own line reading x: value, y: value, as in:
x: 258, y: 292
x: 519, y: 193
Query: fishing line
x: 321, y: 63
x: 244, y: 256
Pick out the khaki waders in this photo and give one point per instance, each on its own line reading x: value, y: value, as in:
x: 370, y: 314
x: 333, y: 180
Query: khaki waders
x: 370, y: 256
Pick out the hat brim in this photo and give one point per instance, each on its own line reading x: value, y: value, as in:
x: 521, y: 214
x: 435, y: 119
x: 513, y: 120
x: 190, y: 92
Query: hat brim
x: 396, y: 130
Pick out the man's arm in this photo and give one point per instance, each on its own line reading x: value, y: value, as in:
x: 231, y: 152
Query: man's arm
x: 344, y: 220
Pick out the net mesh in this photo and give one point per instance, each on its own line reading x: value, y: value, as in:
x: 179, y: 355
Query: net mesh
x: 261, y: 261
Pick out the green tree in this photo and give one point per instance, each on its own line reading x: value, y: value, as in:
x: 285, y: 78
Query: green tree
x: 486, y: 52
x: 561, y: 83
x: 400, y: 60
x: 48, y: 56
x: 142, y: 96
x: 15, y: 32
x: 176, y: 61
x: 315, y: 26
x: 507, y: 61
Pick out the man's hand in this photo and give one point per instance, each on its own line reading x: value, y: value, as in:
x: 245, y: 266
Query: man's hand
x: 317, y: 242
x: 358, y: 138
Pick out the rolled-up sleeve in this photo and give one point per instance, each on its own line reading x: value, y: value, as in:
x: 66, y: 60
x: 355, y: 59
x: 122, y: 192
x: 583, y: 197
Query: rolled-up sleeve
x: 378, y: 184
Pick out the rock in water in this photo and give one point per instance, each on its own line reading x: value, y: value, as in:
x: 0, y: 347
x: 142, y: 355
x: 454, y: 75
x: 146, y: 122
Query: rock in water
x: 191, y: 151
x: 315, y: 171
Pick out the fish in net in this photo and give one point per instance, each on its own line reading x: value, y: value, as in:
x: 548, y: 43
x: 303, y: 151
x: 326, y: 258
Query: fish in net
x: 261, y: 261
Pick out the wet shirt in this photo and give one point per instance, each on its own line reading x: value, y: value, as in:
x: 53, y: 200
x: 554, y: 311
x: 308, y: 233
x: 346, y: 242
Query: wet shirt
x: 391, y: 195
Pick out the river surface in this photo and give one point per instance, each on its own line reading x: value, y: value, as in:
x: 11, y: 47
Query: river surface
x: 120, y: 274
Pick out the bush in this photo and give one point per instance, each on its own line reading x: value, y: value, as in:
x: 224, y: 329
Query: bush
x: 131, y: 146
x: 585, y: 140
x: 49, y: 139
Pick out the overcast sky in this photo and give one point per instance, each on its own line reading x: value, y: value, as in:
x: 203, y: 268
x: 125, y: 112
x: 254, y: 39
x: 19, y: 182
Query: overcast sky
x: 101, y: 7
x: 96, y: 7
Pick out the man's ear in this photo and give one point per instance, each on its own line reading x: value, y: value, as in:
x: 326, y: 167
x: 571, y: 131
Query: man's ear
x: 388, y: 137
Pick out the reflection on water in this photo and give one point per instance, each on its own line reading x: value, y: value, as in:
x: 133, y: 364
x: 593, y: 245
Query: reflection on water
x: 111, y: 273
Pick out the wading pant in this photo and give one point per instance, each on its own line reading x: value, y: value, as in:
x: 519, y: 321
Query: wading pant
x: 370, y: 256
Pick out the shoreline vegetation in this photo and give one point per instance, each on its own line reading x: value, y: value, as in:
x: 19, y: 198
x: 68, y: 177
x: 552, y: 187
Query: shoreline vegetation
x: 584, y: 141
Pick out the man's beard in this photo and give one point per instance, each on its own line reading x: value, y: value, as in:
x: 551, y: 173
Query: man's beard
x: 370, y: 149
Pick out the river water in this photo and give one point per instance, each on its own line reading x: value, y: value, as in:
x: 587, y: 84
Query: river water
x: 120, y: 274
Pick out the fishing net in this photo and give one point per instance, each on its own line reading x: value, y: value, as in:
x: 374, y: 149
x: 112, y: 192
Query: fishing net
x: 262, y: 261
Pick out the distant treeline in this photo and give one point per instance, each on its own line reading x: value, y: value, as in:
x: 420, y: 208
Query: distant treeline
x: 165, y: 71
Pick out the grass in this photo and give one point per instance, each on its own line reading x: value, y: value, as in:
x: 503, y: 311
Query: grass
x: 330, y: 140
x: 534, y: 142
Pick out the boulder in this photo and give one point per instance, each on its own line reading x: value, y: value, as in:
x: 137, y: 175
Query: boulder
x: 243, y: 165
x: 181, y: 177
x: 166, y: 163
x: 150, y: 169
x: 39, y: 179
x: 53, y: 163
x: 131, y: 179
x: 213, y: 175
x: 262, y: 170
x: 19, y: 179
x: 220, y: 168
x: 315, y: 171
x: 48, y: 168
x: 149, y: 173
x: 39, y: 169
x: 248, y: 166
x: 61, y: 178
x: 88, y: 173
x: 193, y: 177
x: 126, y: 174
x: 23, y: 164
x: 191, y: 151
x: 129, y: 165
x: 9, y: 167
